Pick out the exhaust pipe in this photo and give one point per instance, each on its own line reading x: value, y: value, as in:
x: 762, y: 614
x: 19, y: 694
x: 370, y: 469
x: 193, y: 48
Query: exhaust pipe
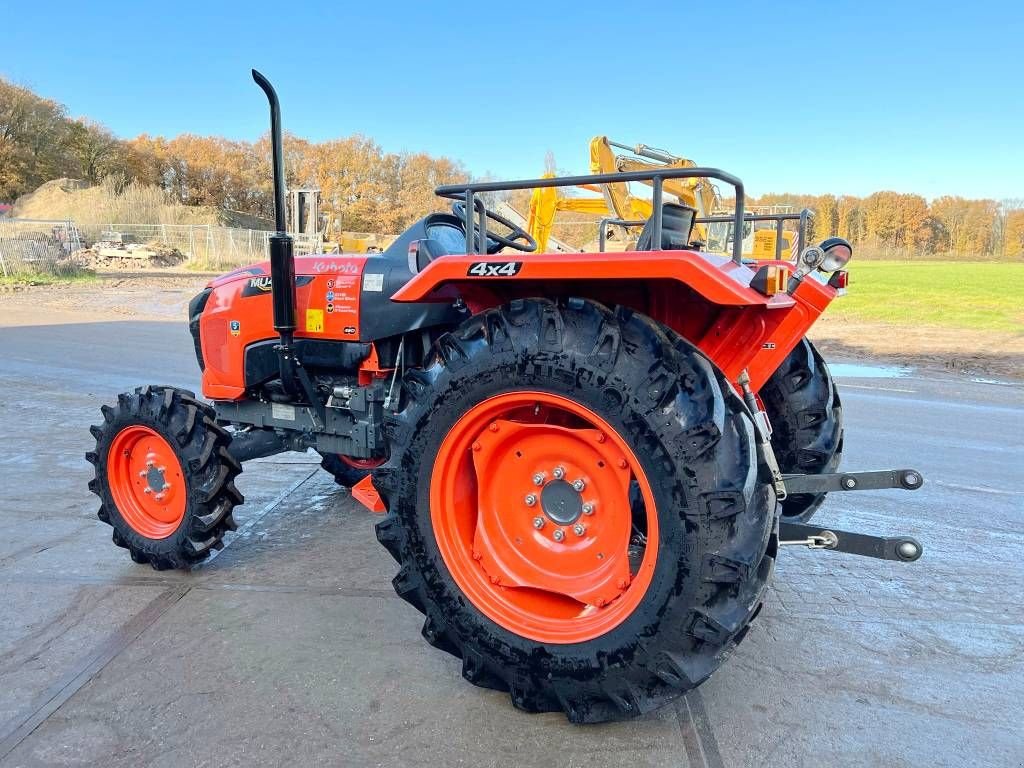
x: 282, y: 262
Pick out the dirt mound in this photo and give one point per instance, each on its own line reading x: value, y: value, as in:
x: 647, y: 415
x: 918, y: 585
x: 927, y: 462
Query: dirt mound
x: 110, y: 202
x: 48, y: 198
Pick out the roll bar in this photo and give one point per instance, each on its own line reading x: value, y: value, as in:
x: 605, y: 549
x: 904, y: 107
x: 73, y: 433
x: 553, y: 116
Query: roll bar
x: 657, y: 176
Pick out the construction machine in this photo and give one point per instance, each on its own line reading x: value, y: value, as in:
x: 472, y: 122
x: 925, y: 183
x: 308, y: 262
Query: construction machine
x: 763, y: 234
x: 587, y: 463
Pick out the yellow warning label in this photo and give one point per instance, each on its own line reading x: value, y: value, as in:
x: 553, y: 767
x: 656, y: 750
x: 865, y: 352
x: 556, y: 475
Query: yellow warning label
x: 314, y: 321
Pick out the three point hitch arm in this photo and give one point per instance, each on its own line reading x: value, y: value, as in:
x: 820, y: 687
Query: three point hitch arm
x: 902, y: 548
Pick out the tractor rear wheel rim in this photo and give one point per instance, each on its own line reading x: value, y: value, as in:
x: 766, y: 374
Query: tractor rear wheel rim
x: 531, y: 509
x: 146, y: 481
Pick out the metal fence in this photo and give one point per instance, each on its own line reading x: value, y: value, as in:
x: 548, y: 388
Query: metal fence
x: 29, y: 245
x: 57, y: 247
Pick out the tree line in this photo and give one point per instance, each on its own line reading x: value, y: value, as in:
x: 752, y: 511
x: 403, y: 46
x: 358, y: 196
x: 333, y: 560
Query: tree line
x: 366, y: 189
x: 899, y: 224
x: 362, y: 187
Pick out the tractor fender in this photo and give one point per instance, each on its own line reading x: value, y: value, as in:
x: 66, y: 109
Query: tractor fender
x: 718, y: 279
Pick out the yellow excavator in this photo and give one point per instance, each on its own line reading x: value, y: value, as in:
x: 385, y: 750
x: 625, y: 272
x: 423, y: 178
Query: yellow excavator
x: 617, y: 202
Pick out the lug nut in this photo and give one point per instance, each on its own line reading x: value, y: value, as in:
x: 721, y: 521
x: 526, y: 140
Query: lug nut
x: 578, y: 485
x: 559, y: 473
x: 588, y: 508
x: 149, y: 463
x: 579, y: 529
x: 558, y: 535
x: 530, y: 499
x: 538, y: 523
x: 147, y: 489
x: 538, y: 479
x: 143, y: 473
x: 159, y: 496
x: 493, y: 427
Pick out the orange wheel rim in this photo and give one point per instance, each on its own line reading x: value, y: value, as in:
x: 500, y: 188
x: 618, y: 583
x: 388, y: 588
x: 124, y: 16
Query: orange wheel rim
x: 530, y: 503
x: 146, y: 481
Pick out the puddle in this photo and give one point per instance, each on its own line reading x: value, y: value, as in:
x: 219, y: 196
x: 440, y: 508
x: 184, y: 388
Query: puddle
x: 996, y: 382
x: 859, y: 371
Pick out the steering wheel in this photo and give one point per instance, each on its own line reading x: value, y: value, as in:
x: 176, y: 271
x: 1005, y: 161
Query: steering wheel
x: 499, y: 241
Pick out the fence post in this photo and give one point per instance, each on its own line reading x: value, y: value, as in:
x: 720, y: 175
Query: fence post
x: 3, y: 240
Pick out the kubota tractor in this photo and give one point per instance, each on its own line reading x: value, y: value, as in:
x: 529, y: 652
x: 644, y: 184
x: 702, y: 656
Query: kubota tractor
x: 588, y: 461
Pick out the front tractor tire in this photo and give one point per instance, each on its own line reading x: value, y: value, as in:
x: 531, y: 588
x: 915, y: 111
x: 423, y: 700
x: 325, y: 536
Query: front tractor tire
x: 806, y: 414
x: 575, y: 503
x: 164, y: 476
x: 347, y: 471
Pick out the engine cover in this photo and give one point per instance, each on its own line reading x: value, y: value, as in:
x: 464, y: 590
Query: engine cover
x: 238, y: 313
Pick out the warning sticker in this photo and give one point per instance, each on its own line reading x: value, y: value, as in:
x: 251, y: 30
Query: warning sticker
x: 373, y: 282
x: 314, y: 321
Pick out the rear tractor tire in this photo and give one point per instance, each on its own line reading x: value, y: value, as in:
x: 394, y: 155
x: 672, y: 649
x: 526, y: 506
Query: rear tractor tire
x: 802, y: 403
x: 164, y: 476
x: 574, y: 500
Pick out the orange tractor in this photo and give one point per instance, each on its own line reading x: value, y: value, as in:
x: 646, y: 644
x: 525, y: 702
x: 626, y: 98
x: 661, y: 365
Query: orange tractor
x: 588, y: 461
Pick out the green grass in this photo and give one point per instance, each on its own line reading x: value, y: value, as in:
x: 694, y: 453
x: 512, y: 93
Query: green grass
x: 34, y: 277
x: 976, y: 295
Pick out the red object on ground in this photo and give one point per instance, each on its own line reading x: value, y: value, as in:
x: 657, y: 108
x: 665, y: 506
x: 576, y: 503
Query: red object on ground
x: 366, y: 494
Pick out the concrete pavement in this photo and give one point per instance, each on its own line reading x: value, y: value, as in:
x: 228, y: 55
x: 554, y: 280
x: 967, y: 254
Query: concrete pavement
x: 290, y: 647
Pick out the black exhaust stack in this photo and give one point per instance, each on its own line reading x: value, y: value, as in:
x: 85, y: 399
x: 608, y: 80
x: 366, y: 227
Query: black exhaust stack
x: 282, y: 261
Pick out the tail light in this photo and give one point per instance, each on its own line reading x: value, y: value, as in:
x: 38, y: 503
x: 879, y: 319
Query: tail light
x: 839, y: 280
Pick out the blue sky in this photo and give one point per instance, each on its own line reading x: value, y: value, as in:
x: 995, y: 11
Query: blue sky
x: 844, y: 97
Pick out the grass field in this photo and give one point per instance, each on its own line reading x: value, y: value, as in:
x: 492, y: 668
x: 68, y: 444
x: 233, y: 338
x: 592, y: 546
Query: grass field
x: 984, y: 296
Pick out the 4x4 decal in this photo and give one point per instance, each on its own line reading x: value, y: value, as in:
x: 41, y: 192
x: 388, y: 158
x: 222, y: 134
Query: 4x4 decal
x: 495, y: 268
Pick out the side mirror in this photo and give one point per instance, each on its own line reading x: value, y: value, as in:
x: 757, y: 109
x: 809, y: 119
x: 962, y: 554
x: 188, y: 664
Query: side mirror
x: 837, y: 253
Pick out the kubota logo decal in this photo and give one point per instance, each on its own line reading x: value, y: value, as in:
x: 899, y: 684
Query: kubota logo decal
x: 495, y: 268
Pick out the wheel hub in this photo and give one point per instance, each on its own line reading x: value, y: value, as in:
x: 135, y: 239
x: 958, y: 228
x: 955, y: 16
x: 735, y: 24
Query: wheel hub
x: 561, y: 502
x: 155, y: 479
x: 585, y: 561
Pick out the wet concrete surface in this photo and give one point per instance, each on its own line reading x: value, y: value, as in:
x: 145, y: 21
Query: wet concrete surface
x: 290, y: 647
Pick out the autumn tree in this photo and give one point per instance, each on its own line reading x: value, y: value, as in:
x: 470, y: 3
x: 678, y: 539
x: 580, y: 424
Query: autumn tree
x: 94, y: 150
x: 33, y: 133
x: 967, y: 226
x: 1013, y: 231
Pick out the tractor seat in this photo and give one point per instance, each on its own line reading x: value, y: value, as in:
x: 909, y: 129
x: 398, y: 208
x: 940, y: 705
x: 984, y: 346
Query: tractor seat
x: 676, y: 226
